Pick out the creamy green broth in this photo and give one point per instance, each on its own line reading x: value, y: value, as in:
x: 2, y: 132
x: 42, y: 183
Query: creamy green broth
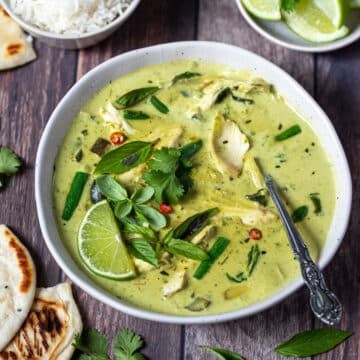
x: 298, y: 164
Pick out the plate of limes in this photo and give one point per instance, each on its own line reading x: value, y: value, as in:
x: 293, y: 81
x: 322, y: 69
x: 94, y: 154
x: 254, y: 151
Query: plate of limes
x: 305, y: 25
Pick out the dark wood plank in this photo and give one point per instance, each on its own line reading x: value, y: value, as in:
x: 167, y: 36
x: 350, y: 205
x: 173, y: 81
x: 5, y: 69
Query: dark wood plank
x: 338, y: 92
x: 27, y: 97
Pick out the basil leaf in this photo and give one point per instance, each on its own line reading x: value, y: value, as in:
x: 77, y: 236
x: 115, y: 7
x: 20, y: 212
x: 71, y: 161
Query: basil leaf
x: 190, y: 149
x: 135, y: 96
x: 135, y: 115
x: 288, y: 133
x: 242, y: 100
x: 123, y: 208
x: 222, y: 95
x: 260, y: 197
x: 142, y: 250
x: 312, y: 342
x: 142, y: 195
x: 300, y: 214
x: 111, y: 188
x: 184, y: 248
x: 159, y: 105
x: 130, y: 226
x: 239, y: 278
x: 194, y: 224
x: 223, y: 354
x: 124, y: 158
x: 185, y: 75
x: 253, y: 257
x: 155, y: 218
x: 314, y: 197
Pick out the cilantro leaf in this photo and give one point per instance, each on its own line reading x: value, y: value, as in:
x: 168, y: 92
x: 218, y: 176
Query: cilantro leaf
x: 9, y: 162
x: 288, y: 5
x: 165, y: 160
x: 126, y: 345
x: 91, y: 342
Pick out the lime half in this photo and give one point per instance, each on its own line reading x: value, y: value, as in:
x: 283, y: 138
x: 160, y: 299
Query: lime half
x: 355, y: 4
x: 101, y: 246
x: 318, y: 20
x: 264, y: 9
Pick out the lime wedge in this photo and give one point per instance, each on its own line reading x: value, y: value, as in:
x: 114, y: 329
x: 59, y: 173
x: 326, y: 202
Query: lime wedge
x: 354, y: 4
x: 101, y: 246
x: 318, y: 20
x: 264, y: 9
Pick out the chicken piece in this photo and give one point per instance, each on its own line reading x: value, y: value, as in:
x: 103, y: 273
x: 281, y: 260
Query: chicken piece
x: 250, y: 216
x: 142, y: 266
x: 171, y: 138
x: 177, y: 282
x: 252, y: 168
x: 111, y: 115
x: 204, y: 235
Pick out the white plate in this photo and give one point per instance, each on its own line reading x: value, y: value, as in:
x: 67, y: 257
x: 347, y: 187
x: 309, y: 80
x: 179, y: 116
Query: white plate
x: 279, y: 33
x: 235, y: 57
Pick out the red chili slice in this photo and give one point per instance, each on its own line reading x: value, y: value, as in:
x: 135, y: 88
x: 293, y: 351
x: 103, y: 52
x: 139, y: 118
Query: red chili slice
x: 117, y: 138
x: 166, y: 208
x: 255, y: 234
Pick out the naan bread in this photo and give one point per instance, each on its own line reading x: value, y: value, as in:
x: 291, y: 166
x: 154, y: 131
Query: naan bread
x: 17, y: 284
x: 50, y: 328
x: 15, y: 47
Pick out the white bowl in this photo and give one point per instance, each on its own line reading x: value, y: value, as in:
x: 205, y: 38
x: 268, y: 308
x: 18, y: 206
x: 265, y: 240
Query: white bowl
x: 70, y: 41
x: 279, y: 33
x: 235, y: 57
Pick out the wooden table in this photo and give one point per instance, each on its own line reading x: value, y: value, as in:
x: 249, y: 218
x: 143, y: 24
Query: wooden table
x: 29, y: 94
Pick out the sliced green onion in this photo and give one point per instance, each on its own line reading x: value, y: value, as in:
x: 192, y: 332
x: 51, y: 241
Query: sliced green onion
x: 214, y: 253
x: 159, y: 105
x: 74, y: 195
x: 288, y: 133
x: 135, y: 115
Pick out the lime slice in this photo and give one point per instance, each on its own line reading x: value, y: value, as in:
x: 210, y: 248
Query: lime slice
x: 318, y: 20
x: 264, y: 9
x: 101, y: 246
x: 355, y: 4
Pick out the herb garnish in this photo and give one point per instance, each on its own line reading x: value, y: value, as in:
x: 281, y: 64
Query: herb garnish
x: 260, y: 196
x: 227, y: 91
x: 222, y: 354
x: 159, y: 105
x: 9, y: 163
x: 239, y: 278
x: 124, y: 158
x: 288, y: 5
x: 141, y: 249
x: 135, y: 96
x: 314, y: 197
x: 288, y: 133
x: 300, y: 213
x: 312, y: 342
x: 94, y: 346
x: 135, y: 115
x: 185, y: 75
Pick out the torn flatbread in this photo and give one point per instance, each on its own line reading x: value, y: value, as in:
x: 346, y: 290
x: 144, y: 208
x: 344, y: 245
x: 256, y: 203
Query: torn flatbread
x: 50, y: 328
x: 15, y: 47
x: 17, y: 284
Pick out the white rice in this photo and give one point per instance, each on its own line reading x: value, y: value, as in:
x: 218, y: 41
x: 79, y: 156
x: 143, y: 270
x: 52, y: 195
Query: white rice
x: 69, y: 16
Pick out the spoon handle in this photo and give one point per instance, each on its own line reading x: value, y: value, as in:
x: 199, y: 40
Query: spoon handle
x: 324, y: 303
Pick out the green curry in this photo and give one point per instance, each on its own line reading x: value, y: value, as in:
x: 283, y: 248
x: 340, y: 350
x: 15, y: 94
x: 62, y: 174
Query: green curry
x: 232, y: 127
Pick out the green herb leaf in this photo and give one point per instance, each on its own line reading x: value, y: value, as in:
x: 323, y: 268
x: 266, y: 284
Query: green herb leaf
x: 222, y: 95
x: 141, y: 249
x: 135, y: 96
x: 312, y: 342
x: 300, y: 213
x: 190, y: 149
x: 315, y: 198
x: 214, y: 253
x: 130, y: 226
x: 154, y: 217
x: 193, y: 224
x: 288, y: 5
x: 92, y: 343
x: 242, y: 100
x: 185, y: 75
x: 127, y: 345
x: 110, y: 188
x: 288, y: 133
x: 253, y: 257
x: 239, y: 278
x: 223, y: 354
x: 159, y: 105
x: 260, y: 197
x: 135, y: 115
x: 187, y: 249
x: 142, y: 195
x: 165, y: 160
x: 9, y: 162
x: 124, y: 158
x: 123, y: 208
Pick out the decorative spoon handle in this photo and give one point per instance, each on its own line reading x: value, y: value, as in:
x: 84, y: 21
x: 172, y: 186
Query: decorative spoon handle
x: 324, y: 303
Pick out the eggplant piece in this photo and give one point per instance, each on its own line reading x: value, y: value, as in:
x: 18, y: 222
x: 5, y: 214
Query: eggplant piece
x: 99, y: 146
x: 95, y: 193
x: 199, y: 304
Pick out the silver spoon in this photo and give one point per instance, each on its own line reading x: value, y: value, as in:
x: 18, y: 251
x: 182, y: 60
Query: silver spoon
x: 324, y: 303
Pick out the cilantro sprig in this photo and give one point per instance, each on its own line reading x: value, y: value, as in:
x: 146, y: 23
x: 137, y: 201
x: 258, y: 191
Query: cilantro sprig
x: 9, y: 164
x: 95, y: 346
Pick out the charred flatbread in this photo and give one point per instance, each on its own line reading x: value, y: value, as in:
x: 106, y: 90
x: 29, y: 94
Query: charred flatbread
x: 17, y: 284
x: 50, y: 328
x: 15, y: 47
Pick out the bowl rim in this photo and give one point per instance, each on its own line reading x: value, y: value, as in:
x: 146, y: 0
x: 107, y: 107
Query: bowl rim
x: 315, y: 48
x: 36, y: 31
x: 102, y: 295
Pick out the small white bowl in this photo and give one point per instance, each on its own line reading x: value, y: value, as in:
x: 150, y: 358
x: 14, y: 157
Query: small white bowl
x: 279, y: 33
x: 71, y: 41
x: 235, y: 57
